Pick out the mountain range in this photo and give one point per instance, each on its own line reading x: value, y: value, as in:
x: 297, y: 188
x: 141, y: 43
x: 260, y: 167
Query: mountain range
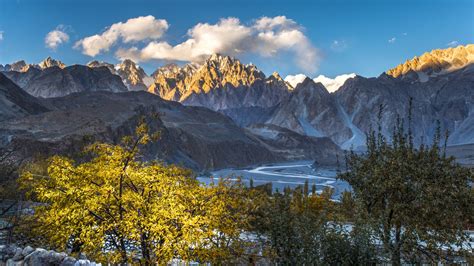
x: 225, y: 113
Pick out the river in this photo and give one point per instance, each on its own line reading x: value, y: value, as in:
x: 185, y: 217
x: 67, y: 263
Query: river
x: 287, y: 174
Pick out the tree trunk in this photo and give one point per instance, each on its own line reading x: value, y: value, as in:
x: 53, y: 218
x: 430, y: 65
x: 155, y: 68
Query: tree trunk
x: 396, y: 251
x: 123, y: 251
x: 145, y: 251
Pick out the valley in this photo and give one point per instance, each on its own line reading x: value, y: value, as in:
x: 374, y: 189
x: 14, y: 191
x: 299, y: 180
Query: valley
x: 283, y: 175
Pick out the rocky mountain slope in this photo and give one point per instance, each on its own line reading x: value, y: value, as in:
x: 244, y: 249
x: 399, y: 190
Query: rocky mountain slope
x: 15, y: 103
x: 56, y: 82
x: 295, y: 146
x: 439, y: 83
x: 446, y: 96
x: 313, y: 111
x: 27, y: 75
x: 195, y: 137
x: 192, y: 136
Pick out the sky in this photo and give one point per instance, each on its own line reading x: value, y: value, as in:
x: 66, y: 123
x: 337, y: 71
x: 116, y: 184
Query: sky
x: 329, y: 37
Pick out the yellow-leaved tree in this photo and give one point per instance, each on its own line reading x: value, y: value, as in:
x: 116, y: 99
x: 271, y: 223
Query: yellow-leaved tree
x: 117, y: 208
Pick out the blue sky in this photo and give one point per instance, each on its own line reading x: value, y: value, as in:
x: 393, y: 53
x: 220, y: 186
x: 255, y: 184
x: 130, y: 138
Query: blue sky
x: 349, y: 36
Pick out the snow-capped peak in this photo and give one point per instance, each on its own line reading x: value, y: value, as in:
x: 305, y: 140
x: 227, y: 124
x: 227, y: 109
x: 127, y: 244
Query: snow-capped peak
x: 331, y: 84
x: 294, y: 80
x: 334, y: 84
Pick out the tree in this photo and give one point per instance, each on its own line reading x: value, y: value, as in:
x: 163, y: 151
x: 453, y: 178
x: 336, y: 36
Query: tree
x: 118, y: 209
x: 301, y: 229
x: 417, y: 200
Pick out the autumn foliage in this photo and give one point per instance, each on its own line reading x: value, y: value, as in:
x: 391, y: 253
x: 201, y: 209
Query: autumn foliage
x: 117, y: 208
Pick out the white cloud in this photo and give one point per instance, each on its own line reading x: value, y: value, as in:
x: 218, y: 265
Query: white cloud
x: 295, y: 79
x: 404, y: 34
x: 334, y: 84
x: 392, y: 40
x: 1, y: 35
x: 453, y: 44
x: 330, y: 84
x: 266, y: 37
x: 133, y: 30
x: 56, y: 37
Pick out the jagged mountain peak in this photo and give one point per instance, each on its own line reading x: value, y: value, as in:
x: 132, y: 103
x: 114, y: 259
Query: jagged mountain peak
x: 18, y: 66
x: 436, y: 62
x: 133, y: 76
x: 276, y: 76
x: 305, y: 83
x: 225, y: 64
x: 128, y: 65
x: 171, y: 70
x: 277, y: 80
x: 50, y: 62
x: 22, y: 66
x: 19, y: 63
x: 219, y: 58
x: 220, y: 83
x: 95, y: 63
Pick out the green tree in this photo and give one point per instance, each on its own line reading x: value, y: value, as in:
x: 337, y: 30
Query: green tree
x: 301, y: 229
x: 417, y: 200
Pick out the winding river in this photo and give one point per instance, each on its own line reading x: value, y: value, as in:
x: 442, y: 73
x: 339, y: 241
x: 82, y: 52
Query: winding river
x: 287, y: 174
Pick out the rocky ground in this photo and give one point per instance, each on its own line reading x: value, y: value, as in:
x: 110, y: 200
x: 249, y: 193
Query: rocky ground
x: 16, y: 256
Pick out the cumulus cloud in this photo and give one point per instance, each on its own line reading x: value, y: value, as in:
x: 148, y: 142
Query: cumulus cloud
x: 266, y: 37
x: 133, y: 30
x: 56, y: 37
x: 392, y: 40
x: 1, y: 35
x: 452, y: 43
x: 331, y: 84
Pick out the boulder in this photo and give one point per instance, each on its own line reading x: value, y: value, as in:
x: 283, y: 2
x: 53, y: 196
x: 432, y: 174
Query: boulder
x: 18, y: 254
x: 68, y: 261
x: 27, y: 251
